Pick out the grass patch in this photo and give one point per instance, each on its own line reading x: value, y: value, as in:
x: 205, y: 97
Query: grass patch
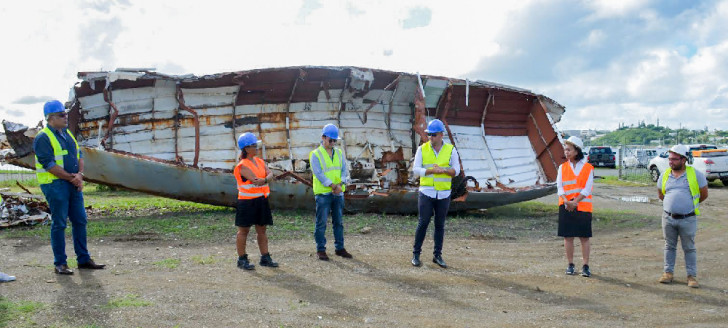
x: 168, y: 263
x: 131, y: 216
x: 204, y: 260
x: 128, y: 300
x: 12, y: 312
x: 615, y: 181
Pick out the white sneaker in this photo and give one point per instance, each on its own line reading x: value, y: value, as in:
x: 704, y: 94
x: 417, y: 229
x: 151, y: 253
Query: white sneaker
x: 6, y: 278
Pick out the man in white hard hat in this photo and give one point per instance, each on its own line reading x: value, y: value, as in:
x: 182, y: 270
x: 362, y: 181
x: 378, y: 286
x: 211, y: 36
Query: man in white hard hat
x: 682, y: 189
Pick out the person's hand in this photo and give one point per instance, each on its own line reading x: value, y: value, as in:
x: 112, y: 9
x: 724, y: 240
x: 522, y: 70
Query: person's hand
x: 77, y: 179
x: 571, y: 205
x: 336, y: 189
x: 258, y: 181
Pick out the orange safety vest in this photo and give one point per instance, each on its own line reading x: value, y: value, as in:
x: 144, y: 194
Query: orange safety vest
x: 573, y: 185
x: 247, y: 190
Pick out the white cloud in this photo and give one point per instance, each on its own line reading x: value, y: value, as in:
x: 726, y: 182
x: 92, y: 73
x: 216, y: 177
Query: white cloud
x: 607, y: 61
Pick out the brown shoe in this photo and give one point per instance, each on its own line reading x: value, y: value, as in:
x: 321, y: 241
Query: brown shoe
x: 343, y: 253
x: 91, y: 265
x: 322, y: 256
x: 666, y: 278
x: 692, y: 282
x: 63, y: 269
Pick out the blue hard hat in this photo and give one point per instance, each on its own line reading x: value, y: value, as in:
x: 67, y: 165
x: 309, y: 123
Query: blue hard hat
x: 53, y: 106
x: 331, y: 131
x: 435, y: 126
x: 247, y: 139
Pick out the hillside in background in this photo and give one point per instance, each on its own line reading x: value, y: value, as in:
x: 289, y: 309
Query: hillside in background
x: 651, y: 135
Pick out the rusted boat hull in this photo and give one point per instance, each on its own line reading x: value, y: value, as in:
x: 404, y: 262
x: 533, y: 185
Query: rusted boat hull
x: 218, y: 188
x: 175, y: 136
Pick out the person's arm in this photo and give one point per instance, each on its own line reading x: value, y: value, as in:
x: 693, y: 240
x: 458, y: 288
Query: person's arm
x: 318, y: 171
x: 268, y: 174
x: 454, y: 168
x: 589, y: 186
x: 660, y: 195
x: 417, y: 168
x: 250, y: 176
x: 703, y: 193
x: 703, y: 184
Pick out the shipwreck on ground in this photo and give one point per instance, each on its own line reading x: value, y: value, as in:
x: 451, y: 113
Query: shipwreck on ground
x: 176, y: 136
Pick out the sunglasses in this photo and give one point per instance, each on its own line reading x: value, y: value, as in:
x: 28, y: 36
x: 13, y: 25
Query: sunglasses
x: 61, y: 115
x: 332, y: 140
x: 433, y: 134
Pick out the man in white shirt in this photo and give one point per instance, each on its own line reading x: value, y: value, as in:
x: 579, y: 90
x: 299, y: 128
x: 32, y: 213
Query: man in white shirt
x: 435, y: 163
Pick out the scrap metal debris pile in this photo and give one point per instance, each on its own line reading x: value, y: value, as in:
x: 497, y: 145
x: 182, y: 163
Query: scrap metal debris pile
x: 22, y: 209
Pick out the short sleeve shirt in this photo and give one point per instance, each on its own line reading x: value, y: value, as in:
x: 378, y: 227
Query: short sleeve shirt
x: 677, y: 192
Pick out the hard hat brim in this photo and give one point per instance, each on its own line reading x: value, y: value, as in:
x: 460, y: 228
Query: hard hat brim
x: 674, y: 152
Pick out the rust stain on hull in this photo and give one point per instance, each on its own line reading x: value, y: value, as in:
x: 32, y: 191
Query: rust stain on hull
x: 183, y: 128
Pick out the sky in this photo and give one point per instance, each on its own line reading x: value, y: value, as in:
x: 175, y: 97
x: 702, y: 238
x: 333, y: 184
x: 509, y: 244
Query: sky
x: 607, y: 61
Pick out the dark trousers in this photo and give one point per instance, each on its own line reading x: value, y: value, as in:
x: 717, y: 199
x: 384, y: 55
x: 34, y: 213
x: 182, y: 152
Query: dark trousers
x: 427, y: 206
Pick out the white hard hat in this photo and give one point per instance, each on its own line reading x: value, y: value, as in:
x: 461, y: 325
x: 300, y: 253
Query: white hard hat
x: 681, y: 150
x: 576, y: 141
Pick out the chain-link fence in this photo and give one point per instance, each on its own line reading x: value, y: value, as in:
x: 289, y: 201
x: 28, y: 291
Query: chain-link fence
x: 634, y: 163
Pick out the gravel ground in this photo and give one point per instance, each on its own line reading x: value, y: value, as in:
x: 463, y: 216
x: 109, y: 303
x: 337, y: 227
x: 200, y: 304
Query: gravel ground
x: 518, y: 283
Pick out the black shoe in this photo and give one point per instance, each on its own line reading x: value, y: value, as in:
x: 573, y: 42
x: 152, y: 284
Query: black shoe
x: 63, y: 269
x: 585, y: 272
x: 570, y: 270
x: 439, y: 261
x: 416, y: 260
x: 91, y: 265
x: 343, y: 253
x: 243, y: 263
x: 266, y: 260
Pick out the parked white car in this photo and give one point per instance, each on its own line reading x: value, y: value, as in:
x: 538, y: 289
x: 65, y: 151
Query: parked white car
x: 639, y: 157
x: 713, y: 164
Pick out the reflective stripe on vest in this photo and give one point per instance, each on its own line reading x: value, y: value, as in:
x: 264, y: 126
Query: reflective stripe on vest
x: 573, y: 185
x: 692, y: 183
x: 247, y: 190
x: 442, y: 159
x: 43, y: 176
x: 331, y: 167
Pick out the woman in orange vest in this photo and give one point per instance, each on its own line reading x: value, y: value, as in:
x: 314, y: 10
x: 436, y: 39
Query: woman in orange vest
x: 252, y: 176
x: 575, y: 181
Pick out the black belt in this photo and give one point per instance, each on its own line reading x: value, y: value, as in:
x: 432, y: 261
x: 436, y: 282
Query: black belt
x: 680, y: 216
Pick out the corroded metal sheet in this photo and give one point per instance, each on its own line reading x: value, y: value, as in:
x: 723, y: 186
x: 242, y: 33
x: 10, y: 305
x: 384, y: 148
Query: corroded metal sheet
x: 506, y: 137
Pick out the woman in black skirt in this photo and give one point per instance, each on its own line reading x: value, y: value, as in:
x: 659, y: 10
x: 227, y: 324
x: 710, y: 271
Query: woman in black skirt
x: 575, y: 181
x: 252, y: 176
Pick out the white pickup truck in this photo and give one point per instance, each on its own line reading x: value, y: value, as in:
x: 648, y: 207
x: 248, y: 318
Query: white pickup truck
x: 708, y: 159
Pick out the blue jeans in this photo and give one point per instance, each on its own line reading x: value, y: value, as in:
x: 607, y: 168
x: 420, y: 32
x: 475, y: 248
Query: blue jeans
x: 66, y: 202
x: 427, y: 207
x: 325, y: 204
x: 685, y: 229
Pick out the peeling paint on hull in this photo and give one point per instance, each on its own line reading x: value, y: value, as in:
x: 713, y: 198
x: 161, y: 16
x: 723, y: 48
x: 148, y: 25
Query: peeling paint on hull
x: 175, y: 136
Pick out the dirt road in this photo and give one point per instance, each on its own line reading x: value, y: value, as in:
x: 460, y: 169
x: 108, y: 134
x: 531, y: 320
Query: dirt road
x: 512, y: 283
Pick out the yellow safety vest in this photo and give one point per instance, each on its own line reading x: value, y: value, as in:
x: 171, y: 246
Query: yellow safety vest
x: 692, y: 183
x: 45, y: 177
x: 330, y: 166
x: 439, y: 181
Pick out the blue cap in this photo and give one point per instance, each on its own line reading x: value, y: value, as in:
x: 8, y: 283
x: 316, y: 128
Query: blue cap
x: 331, y: 131
x: 246, y: 139
x: 435, y: 126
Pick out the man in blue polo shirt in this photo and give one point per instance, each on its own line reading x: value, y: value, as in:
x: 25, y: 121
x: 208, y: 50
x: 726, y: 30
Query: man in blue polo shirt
x: 59, y: 168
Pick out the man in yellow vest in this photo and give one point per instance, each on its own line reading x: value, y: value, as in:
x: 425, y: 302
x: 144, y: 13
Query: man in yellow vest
x: 435, y: 163
x: 59, y: 168
x: 682, y: 189
x: 329, y: 183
